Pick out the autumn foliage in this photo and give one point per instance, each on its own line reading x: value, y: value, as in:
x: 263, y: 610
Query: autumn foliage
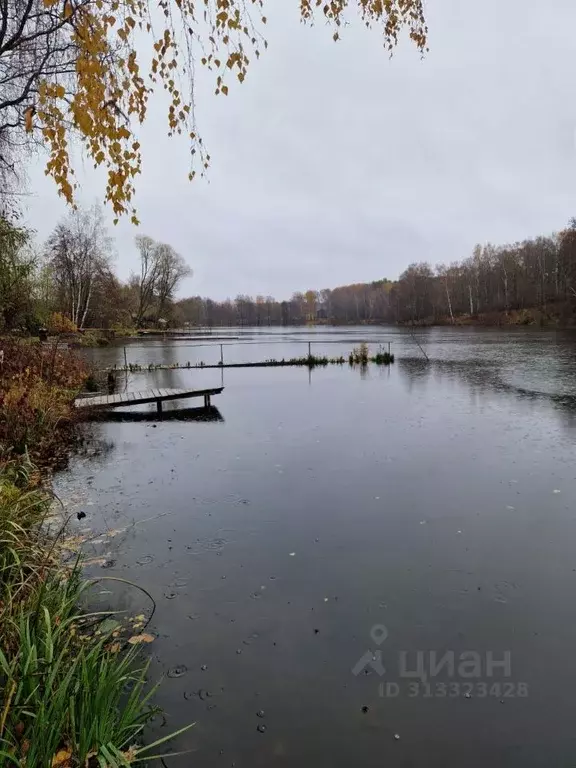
x: 85, y: 75
x: 59, y: 323
x: 38, y: 384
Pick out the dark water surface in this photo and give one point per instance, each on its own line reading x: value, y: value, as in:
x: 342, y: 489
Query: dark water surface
x: 279, y: 537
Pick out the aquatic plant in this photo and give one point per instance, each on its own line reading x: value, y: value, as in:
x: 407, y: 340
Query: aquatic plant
x: 359, y: 355
x: 382, y: 358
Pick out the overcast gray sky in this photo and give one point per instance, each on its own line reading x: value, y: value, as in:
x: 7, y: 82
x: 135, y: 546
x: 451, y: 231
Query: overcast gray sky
x: 333, y: 164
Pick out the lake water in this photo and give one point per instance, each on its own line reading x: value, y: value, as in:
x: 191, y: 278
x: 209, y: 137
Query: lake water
x: 325, y: 533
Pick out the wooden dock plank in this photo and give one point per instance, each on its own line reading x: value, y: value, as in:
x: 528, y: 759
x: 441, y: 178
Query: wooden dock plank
x: 147, y: 396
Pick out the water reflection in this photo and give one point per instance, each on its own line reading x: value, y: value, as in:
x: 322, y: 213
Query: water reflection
x: 435, y: 498
x: 490, y: 379
x: 168, y: 414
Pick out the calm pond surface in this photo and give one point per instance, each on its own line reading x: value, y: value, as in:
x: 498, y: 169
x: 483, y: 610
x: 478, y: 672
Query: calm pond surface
x: 322, y: 528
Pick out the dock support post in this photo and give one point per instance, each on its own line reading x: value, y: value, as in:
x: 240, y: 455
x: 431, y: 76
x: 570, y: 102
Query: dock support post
x: 206, y: 401
x: 221, y: 354
x: 309, y: 350
x: 159, y: 406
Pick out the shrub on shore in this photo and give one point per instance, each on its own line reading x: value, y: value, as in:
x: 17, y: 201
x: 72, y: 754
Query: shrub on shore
x: 38, y: 384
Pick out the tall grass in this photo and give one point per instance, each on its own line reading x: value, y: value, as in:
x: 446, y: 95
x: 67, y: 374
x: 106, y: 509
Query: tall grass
x: 68, y: 696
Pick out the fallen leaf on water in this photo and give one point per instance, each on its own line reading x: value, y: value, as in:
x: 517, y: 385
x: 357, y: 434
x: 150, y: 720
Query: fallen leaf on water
x: 135, y: 639
x: 108, y: 625
x: 62, y: 758
x: 115, y: 647
x: 117, y: 532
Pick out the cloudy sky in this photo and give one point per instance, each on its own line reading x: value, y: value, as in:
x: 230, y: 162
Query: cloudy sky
x: 333, y: 164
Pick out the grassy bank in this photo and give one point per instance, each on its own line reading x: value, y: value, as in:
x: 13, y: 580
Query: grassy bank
x: 72, y: 691
x: 554, y: 315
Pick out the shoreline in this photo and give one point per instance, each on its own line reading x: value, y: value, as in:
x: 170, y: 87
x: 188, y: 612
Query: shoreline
x: 54, y: 648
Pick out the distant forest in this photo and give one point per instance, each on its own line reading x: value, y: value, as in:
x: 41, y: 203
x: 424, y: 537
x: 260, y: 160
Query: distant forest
x: 70, y: 283
x: 531, y: 281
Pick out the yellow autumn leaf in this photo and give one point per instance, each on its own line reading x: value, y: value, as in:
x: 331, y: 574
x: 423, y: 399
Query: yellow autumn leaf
x: 62, y: 759
x: 136, y: 639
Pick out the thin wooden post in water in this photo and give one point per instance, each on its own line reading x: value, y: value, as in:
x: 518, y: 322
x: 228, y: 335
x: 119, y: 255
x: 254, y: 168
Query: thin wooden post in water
x: 420, y: 346
x: 309, y: 349
x: 126, y: 371
x: 221, y: 354
x: 159, y: 406
x: 388, y: 348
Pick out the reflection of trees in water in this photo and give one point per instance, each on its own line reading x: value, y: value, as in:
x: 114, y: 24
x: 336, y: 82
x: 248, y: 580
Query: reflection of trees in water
x: 484, y: 379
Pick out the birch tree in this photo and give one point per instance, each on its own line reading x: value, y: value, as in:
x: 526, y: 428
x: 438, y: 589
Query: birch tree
x: 79, y: 252
x: 85, y: 70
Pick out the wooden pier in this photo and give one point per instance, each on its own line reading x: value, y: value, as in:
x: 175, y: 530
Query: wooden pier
x: 157, y: 396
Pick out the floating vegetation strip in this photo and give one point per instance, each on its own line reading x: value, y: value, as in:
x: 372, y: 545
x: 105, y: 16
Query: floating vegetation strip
x: 356, y: 357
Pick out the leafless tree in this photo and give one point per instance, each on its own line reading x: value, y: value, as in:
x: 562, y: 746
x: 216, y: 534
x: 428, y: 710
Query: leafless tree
x: 161, y: 271
x: 172, y: 269
x: 79, y: 252
x: 148, y: 278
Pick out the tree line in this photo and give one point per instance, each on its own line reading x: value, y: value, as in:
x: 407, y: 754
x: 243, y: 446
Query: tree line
x: 69, y: 283
x: 521, y: 283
